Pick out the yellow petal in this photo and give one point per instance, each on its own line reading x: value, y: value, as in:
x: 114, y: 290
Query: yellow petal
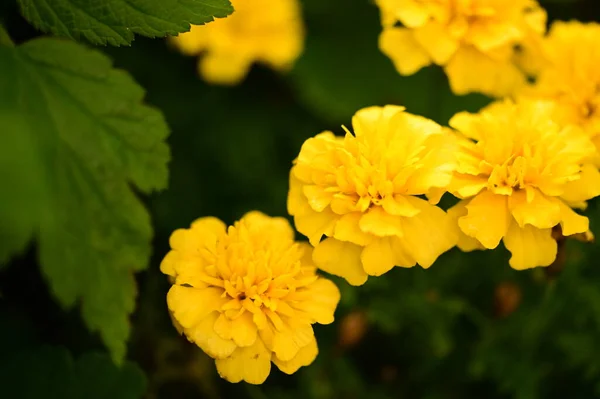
x: 251, y: 364
x: 493, y: 77
x: 288, y: 342
x: 341, y: 259
x: 465, y: 243
x: 347, y: 229
x: 317, y: 197
x: 538, y: 211
x: 411, y: 13
x: 191, y: 305
x: 428, y: 234
x: 378, y: 257
x: 258, y: 222
x: 224, y: 69
x: 571, y: 222
x: 529, y: 246
x: 436, y: 40
x: 316, y: 224
x: 488, y: 36
x: 400, y: 45
x: 398, y: 205
x: 586, y: 187
x: 305, y: 356
x: 374, y: 120
x: 185, y: 268
x: 243, y: 330
x: 465, y: 186
x: 209, y: 225
x: 487, y: 219
x: 318, y: 300
x: 204, y: 335
x: 380, y: 223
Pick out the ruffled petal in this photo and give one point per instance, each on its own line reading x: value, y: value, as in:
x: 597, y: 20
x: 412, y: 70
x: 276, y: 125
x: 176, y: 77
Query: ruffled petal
x: 287, y: 343
x: 258, y: 221
x: 571, y: 222
x: 493, y: 77
x: 348, y: 229
x: 429, y: 234
x: 465, y: 243
x: 586, y: 187
x: 380, y: 223
x: 191, y: 305
x: 436, y: 40
x: 378, y: 257
x: 537, y: 210
x: 529, y: 246
x: 400, y: 46
x: 487, y: 218
x: 251, y: 364
x: 305, y: 356
x: 341, y: 259
x: 205, y: 336
x: 318, y: 300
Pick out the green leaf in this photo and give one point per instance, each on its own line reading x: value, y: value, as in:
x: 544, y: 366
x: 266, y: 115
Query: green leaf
x: 75, y: 134
x: 51, y: 372
x: 114, y: 22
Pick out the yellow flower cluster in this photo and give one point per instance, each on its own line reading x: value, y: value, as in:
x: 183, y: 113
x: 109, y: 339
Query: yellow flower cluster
x: 247, y: 295
x: 570, y: 75
x: 265, y: 31
x: 518, y: 174
x: 474, y: 40
x: 361, y: 192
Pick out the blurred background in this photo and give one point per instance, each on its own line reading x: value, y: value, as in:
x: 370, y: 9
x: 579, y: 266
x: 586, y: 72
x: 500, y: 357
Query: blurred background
x: 470, y: 327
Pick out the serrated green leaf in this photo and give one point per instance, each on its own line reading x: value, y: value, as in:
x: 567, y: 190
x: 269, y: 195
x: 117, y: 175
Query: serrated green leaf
x: 50, y: 372
x: 82, y: 136
x: 115, y: 22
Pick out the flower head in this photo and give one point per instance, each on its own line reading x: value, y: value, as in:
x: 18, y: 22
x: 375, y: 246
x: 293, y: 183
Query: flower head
x: 474, y: 40
x: 265, y: 31
x: 519, y: 172
x: 247, y: 295
x: 361, y: 192
x: 571, y: 76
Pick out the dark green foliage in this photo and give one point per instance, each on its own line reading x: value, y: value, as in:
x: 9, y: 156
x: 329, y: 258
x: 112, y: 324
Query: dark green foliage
x: 469, y: 327
x: 115, y: 22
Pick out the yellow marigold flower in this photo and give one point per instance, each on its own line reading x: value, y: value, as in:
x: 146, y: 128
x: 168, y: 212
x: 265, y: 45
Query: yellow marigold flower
x: 518, y: 174
x: 360, y: 191
x: 571, y: 75
x: 247, y: 295
x: 474, y: 40
x: 265, y: 31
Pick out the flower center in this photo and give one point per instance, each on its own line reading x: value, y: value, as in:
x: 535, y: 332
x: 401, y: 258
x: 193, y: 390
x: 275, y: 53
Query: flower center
x: 512, y: 174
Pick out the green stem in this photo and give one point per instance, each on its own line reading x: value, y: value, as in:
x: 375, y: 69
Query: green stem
x: 5, y: 39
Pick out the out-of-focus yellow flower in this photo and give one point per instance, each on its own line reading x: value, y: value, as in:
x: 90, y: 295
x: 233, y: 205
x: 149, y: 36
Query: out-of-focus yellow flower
x: 571, y: 75
x: 247, y: 295
x: 270, y: 32
x: 474, y: 40
x: 360, y: 191
x: 519, y: 172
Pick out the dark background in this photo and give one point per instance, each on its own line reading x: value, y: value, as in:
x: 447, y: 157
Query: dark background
x: 468, y: 327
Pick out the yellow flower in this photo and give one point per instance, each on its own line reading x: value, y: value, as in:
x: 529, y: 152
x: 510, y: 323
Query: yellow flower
x: 519, y: 172
x: 265, y: 31
x: 474, y: 40
x: 247, y: 295
x: 360, y: 191
x: 571, y: 75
